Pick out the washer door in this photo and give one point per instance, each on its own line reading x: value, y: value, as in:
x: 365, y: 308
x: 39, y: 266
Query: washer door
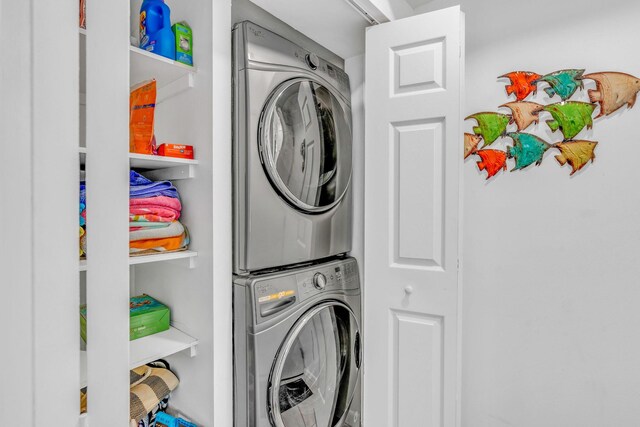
x: 314, y: 376
x: 305, y: 144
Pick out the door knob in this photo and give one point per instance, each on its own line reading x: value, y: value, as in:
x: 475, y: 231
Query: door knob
x: 408, y: 289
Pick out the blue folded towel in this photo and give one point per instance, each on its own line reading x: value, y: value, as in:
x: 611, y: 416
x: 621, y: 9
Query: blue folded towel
x: 140, y: 187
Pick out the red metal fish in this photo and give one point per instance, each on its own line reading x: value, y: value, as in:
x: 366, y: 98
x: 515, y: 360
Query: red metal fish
x: 492, y: 161
x: 522, y: 83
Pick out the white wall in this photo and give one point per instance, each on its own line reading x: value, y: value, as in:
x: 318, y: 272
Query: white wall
x: 551, y: 293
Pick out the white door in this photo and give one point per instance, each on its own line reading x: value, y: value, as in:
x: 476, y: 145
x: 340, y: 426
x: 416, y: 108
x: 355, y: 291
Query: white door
x: 413, y: 158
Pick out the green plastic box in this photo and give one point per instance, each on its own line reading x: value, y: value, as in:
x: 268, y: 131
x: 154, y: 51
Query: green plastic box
x: 148, y: 316
x: 184, y: 43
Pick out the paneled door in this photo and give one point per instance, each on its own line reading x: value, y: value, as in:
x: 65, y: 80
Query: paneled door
x: 414, y: 87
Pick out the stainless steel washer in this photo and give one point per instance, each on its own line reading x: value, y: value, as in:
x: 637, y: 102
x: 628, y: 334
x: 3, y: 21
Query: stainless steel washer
x: 292, y: 153
x: 298, y: 348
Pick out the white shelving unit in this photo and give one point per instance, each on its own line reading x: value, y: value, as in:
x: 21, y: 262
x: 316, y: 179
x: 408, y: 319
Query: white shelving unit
x: 150, y: 348
x: 191, y: 103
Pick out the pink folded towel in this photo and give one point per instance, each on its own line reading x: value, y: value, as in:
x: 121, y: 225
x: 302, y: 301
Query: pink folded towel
x: 154, y: 209
x: 162, y: 201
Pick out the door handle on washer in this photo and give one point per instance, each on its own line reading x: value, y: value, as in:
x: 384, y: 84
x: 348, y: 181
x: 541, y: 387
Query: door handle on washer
x: 275, y: 307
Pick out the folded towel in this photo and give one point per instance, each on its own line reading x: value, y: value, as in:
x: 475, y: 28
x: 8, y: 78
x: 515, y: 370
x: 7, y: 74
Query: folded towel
x: 161, y: 201
x: 156, y: 214
x: 142, y: 225
x: 174, y: 229
x: 141, y: 187
x: 136, y: 179
x: 170, y: 244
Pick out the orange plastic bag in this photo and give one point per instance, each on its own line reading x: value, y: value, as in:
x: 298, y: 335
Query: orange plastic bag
x: 142, y: 105
x: 83, y: 14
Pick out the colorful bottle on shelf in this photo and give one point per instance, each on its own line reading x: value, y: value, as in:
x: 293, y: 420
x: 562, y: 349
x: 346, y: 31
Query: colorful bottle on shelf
x: 155, y: 29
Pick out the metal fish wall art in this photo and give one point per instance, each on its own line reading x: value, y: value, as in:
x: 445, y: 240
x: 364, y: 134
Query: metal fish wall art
x: 613, y: 91
x: 523, y: 83
x: 471, y: 142
x: 570, y: 117
x: 527, y: 149
x: 491, y: 126
x: 492, y: 161
x: 563, y: 83
x: 576, y: 153
x: 524, y: 113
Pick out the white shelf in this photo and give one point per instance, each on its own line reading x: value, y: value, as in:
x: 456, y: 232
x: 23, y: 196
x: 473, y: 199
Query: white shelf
x: 171, y: 256
x: 189, y: 256
x: 172, y: 77
x: 146, y: 65
x: 146, y: 161
x: 150, y: 348
x: 164, y: 168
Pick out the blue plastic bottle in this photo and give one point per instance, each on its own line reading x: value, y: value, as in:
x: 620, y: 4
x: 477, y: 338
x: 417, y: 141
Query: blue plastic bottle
x: 155, y: 29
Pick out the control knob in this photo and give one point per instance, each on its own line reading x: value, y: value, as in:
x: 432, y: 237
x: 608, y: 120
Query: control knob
x: 312, y: 60
x: 319, y: 281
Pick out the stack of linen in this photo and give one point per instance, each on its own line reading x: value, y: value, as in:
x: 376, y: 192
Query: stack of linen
x: 154, y: 210
x: 83, y: 219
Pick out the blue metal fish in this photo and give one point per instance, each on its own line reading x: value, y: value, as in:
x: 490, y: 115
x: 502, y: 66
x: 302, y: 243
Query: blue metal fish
x: 563, y: 83
x: 527, y: 149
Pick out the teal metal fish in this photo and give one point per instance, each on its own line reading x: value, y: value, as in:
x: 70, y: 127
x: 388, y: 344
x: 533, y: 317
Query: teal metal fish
x: 570, y: 117
x: 563, y: 83
x: 527, y: 149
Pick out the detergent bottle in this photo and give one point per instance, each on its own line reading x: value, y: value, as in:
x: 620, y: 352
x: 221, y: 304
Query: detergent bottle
x: 155, y: 29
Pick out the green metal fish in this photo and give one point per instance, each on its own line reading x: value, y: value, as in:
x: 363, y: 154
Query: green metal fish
x: 563, y: 83
x: 491, y: 126
x: 570, y: 117
x: 527, y: 149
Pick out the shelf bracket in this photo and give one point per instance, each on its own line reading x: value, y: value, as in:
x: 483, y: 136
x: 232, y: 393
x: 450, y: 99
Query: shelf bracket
x: 176, y: 87
x: 168, y: 174
x: 193, y: 350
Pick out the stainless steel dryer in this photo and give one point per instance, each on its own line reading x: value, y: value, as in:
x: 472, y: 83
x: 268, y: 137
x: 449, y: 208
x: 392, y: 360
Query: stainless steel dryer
x: 297, y: 347
x: 292, y: 153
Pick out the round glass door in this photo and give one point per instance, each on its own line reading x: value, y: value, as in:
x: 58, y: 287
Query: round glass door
x: 305, y: 144
x: 314, y: 376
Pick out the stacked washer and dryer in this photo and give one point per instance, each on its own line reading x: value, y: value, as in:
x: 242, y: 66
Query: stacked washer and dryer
x: 297, y: 342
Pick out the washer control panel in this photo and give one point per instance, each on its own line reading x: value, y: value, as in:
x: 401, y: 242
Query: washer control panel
x: 341, y: 275
x: 275, y: 293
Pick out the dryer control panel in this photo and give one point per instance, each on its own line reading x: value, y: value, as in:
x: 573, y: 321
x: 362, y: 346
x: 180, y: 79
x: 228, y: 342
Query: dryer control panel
x: 259, y: 46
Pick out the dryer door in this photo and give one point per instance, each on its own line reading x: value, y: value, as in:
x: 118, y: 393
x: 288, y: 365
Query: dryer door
x: 305, y: 144
x: 315, y: 374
